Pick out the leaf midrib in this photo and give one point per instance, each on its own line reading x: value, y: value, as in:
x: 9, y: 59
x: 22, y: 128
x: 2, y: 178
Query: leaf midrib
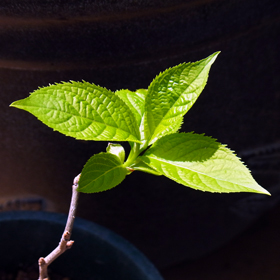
x: 164, y: 116
x: 78, y: 115
x: 173, y: 163
x: 103, y: 174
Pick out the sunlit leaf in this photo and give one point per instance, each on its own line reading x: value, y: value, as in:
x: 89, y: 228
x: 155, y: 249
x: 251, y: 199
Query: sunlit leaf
x: 201, y: 163
x: 82, y: 110
x: 171, y: 94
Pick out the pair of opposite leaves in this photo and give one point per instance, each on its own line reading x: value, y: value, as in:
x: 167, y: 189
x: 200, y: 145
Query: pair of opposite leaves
x: 149, y: 120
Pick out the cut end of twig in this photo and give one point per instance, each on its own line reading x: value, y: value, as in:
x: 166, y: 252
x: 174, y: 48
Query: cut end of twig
x: 43, y: 269
x: 41, y: 261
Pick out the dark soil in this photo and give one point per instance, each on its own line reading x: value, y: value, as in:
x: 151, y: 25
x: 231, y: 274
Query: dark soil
x: 28, y: 272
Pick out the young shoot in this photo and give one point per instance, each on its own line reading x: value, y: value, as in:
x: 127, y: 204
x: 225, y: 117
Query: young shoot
x: 149, y: 119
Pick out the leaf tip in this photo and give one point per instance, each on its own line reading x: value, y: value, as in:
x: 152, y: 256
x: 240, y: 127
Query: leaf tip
x: 259, y: 189
x: 15, y: 104
x: 264, y: 191
x: 214, y: 56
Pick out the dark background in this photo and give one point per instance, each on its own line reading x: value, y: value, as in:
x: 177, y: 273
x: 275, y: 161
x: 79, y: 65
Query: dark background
x: 125, y: 44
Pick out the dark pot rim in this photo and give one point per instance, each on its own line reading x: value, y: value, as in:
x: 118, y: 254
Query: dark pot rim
x: 105, y: 236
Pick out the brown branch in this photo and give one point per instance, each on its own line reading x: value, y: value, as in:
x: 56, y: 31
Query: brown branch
x: 65, y: 242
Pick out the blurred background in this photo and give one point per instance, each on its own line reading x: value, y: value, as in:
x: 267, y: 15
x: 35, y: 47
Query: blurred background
x: 125, y: 44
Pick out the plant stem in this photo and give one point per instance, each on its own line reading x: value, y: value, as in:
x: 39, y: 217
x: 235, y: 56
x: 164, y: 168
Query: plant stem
x: 134, y: 152
x: 65, y: 242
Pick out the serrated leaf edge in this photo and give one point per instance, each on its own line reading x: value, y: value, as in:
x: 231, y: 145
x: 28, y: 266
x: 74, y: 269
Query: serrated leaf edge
x: 212, y: 60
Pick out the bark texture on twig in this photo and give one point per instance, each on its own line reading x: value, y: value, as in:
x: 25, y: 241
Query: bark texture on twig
x: 65, y: 242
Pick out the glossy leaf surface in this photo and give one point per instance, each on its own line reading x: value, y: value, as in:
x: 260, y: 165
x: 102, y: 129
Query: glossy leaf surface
x: 136, y: 102
x: 82, y: 110
x: 201, y: 163
x: 171, y: 94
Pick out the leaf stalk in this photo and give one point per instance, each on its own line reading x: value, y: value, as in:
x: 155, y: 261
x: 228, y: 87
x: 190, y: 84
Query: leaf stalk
x: 133, y: 154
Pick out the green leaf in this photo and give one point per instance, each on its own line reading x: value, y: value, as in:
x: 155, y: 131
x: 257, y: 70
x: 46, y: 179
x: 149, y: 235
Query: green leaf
x: 171, y: 94
x: 139, y: 165
x: 116, y: 149
x: 136, y: 102
x: 201, y: 163
x: 102, y: 172
x: 82, y: 110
